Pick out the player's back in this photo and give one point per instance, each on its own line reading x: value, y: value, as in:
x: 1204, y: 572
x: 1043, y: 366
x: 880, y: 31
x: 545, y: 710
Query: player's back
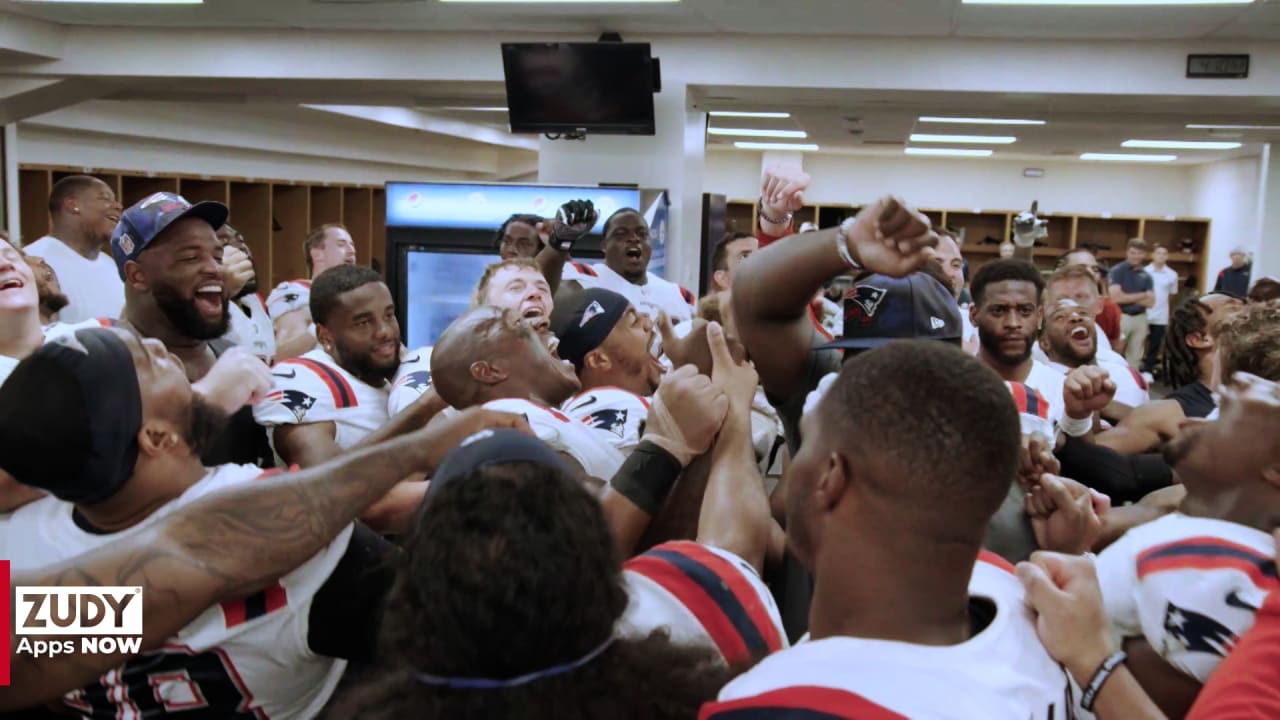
x: 1001, y: 672
x: 248, y: 658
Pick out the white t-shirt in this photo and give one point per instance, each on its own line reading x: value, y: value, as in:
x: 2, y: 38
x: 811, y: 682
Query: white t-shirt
x: 93, y: 286
x: 654, y: 296
x: 1001, y: 672
x: 1165, y: 284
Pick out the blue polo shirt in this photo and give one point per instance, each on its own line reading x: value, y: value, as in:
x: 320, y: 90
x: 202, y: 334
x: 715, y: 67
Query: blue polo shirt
x: 1131, y: 280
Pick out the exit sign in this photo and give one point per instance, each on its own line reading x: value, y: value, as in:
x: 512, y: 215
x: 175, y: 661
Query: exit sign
x: 1217, y: 66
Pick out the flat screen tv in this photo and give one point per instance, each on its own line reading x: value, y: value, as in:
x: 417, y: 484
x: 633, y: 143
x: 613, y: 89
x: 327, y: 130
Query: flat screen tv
x: 602, y: 88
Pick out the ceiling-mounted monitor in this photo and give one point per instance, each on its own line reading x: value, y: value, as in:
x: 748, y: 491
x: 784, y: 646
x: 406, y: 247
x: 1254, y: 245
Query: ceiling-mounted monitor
x: 601, y: 88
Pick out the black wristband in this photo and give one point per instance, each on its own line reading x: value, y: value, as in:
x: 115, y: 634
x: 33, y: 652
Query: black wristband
x: 646, y: 476
x: 1100, y: 677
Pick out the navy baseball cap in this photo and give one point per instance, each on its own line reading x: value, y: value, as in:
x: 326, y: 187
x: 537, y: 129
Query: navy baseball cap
x: 880, y: 309
x: 147, y: 218
x: 496, y: 446
x: 591, y: 316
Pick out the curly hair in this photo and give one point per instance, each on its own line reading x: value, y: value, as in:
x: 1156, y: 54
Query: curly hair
x: 1250, y: 342
x: 510, y: 570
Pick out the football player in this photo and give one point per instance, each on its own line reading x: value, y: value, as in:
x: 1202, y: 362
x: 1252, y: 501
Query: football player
x: 250, y: 323
x: 325, y: 247
x: 905, y: 459
x: 625, y: 270
x: 137, y: 431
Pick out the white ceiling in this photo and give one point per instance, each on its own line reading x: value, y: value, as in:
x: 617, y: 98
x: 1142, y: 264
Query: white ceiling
x: 879, y: 122
x: 921, y: 18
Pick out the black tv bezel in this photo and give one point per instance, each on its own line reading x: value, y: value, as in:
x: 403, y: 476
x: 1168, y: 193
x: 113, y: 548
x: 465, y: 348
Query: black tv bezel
x: 646, y: 128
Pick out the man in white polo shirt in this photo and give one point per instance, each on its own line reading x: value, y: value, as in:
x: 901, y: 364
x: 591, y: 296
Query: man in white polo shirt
x: 1165, y: 280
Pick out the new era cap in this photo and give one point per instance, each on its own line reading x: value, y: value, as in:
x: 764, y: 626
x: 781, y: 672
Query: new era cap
x: 146, y: 219
x: 879, y: 310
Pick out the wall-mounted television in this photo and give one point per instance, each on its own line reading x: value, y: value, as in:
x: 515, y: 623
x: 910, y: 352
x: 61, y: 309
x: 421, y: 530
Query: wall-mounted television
x: 601, y: 88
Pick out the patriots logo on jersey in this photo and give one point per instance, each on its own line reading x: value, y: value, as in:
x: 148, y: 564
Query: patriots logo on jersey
x: 612, y: 420
x: 1193, y: 632
x: 417, y: 380
x: 296, y: 401
x: 862, y: 301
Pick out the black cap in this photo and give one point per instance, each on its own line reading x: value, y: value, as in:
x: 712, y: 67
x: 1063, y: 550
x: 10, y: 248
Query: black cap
x: 592, y: 315
x: 69, y: 417
x: 879, y: 310
x: 497, y: 446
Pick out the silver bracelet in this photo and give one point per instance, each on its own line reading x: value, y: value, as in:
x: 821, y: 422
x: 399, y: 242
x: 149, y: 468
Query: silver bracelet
x: 842, y: 247
x: 786, y: 219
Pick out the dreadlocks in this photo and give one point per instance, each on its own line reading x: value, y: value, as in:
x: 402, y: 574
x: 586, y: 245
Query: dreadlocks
x: 1181, y: 365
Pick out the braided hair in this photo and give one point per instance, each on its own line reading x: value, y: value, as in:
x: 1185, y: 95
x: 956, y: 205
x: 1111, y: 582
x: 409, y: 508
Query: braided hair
x: 1181, y: 364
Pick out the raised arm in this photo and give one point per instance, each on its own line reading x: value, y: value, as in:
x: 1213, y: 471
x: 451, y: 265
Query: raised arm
x: 773, y: 288
x: 735, y: 510
x: 228, y: 545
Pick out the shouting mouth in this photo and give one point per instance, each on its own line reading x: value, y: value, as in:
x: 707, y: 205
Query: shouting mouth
x: 210, y: 299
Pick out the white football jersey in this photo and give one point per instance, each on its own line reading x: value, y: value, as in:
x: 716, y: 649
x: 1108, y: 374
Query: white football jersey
x: 1033, y: 410
x: 247, y: 658
x: 1049, y: 383
x: 654, y: 296
x: 1001, y: 672
x: 1191, y: 586
x: 619, y: 413
x: 51, y: 332
x: 251, y: 327
x: 1131, y: 389
x: 411, y: 381
x: 702, y: 596
x: 288, y: 296
x: 590, y: 447
x: 313, y: 388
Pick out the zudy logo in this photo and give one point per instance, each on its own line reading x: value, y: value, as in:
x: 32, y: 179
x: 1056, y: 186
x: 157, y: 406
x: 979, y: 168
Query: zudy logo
x: 105, y: 619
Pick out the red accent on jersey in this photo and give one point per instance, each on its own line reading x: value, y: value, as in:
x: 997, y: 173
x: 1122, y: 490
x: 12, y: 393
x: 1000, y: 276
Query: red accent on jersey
x: 1137, y: 377
x: 238, y: 612
x: 817, y: 325
x: 994, y: 560
x: 107, y: 322
x: 688, y: 297
x: 1210, y: 553
x: 304, y: 283
x: 344, y: 396
x: 804, y: 702
x: 734, y: 621
x: 584, y: 269
x: 1029, y: 400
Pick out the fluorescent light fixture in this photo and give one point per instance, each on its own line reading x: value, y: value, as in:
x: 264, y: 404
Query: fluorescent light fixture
x: 458, y: 108
x: 736, y: 114
x: 749, y: 132
x: 947, y: 152
x: 1128, y: 157
x: 120, y: 2
x: 1108, y: 2
x: 965, y: 139
x: 1233, y: 127
x: 1180, y: 145
x: 978, y: 121
x: 797, y: 147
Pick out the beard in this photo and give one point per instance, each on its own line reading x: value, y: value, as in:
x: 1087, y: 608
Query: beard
x: 206, y: 425
x: 184, y: 316
x: 362, y: 365
x: 1064, y: 350
x: 991, y: 344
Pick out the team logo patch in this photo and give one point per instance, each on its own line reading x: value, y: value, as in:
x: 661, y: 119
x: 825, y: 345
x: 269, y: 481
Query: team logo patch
x: 862, y: 302
x: 296, y: 401
x: 126, y: 244
x: 154, y: 198
x: 417, y: 380
x: 937, y: 323
x: 594, y: 309
x: 1192, y: 632
x: 611, y: 420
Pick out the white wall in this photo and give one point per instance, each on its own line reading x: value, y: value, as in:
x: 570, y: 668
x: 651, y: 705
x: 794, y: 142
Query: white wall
x: 1227, y: 193
x: 971, y: 184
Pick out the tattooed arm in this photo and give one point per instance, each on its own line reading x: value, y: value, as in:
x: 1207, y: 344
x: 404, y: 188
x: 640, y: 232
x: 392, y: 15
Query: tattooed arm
x: 229, y: 545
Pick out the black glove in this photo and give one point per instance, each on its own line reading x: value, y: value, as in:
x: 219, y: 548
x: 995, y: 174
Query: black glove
x: 573, y: 220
